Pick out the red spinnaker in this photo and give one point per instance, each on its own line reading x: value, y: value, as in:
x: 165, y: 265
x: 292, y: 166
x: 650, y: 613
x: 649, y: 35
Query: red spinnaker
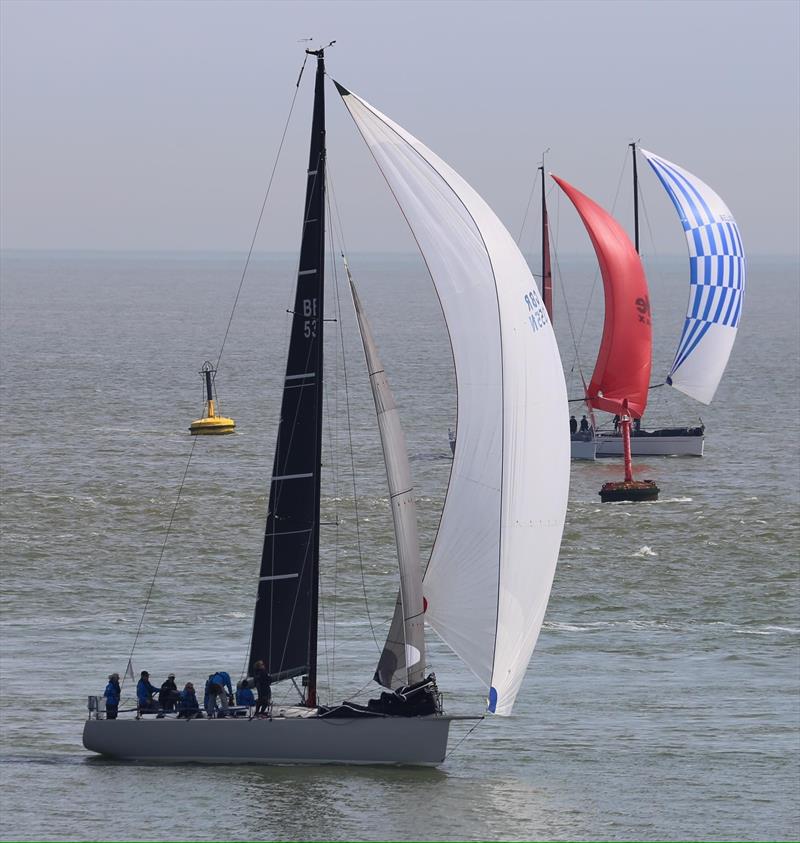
x: 622, y: 370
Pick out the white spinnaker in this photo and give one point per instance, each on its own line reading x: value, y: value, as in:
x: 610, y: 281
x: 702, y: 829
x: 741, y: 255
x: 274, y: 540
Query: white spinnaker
x: 492, y: 565
x: 716, y: 283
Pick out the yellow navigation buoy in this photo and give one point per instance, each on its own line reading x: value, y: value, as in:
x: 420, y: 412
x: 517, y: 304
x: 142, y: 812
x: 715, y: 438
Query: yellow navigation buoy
x: 211, y: 423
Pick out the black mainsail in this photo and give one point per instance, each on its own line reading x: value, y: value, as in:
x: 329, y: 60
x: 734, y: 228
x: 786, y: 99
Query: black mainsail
x: 285, y: 621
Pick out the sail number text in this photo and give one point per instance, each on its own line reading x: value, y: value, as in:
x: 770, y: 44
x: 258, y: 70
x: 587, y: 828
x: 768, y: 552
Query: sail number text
x: 643, y: 308
x: 537, y: 315
x: 309, y: 315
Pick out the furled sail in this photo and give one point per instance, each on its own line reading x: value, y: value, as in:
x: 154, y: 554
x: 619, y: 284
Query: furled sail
x: 493, y: 561
x: 622, y: 370
x: 716, y: 281
x: 402, y: 661
x: 285, y: 619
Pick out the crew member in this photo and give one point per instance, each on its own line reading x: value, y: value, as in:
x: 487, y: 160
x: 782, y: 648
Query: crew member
x: 144, y: 693
x: 112, y: 695
x: 168, y: 694
x: 244, y: 696
x: 218, y: 690
x: 263, y: 686
x: 188, y: 706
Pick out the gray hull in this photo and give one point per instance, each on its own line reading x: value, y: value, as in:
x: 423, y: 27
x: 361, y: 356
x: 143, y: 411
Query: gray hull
x: 583, y: 449
x: 651, y: 446
x: 310, y: 740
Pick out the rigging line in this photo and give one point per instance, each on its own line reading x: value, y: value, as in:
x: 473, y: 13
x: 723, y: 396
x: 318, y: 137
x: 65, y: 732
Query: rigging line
x: 261, y: 212
x: 463, y: 739
x: 160, y: 557
x: 355, y: 489
x: 329, y: 423
x: 528, y: 206
x: 563, y: 290
x: 330, y: 651
x: 597, y: 271
x: 336, y: 234
x: 352, y: 463
x: 653, y: 266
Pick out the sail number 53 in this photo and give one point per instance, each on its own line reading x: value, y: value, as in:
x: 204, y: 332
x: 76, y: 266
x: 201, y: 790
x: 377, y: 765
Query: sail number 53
x: 310, y: 314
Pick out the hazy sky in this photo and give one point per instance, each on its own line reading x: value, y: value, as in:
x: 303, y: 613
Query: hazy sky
x: 154, y: 125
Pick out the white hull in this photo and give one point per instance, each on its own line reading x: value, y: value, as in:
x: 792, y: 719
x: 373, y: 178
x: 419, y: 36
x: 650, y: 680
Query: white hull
x: 282, y: 740
x: 583, y: 450
x: 609, y: 445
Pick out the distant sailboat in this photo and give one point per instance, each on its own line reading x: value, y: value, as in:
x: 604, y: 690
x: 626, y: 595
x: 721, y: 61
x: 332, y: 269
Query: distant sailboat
x: 621, y: 376
x: 716, y: 294
x: 487, y: 583
x: 582, y: 443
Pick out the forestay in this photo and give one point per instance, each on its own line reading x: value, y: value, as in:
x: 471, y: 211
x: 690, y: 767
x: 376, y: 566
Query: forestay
x: 717, y: 280
x: 493, y: 561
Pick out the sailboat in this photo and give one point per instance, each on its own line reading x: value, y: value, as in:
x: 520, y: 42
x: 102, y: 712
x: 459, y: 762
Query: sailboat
x: 582, y: 443
x: 716, y: 295
x: 488, y: 580
x: 621, y: 377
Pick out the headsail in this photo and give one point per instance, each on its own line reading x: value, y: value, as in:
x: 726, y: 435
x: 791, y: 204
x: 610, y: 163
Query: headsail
x: 402, y: 661
x: 717, y: 280
x: 285, y: 621
x: 493, y: 561
x: 623, y: 365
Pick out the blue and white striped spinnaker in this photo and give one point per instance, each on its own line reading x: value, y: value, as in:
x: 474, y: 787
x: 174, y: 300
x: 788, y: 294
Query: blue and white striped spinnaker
x: 717, y: 277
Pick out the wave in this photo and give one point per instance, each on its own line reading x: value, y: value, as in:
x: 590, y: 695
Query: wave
x: 673, y: 626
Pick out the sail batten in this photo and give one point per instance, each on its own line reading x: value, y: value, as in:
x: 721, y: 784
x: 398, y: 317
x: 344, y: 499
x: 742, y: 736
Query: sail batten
x: 716, y: 280
x: 493, y: 561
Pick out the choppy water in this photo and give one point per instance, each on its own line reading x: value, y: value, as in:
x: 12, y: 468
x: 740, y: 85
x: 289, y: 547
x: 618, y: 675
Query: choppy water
x: 662, y: 700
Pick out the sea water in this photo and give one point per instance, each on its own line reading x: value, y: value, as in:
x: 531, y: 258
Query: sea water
x: 662, y: 698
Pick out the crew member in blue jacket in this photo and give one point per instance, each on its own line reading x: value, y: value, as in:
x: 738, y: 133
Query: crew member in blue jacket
x: 244, y: 696
x: 112, y: 695
x: 188, y: 706
x: 218, y: 689
x: 144, y: 693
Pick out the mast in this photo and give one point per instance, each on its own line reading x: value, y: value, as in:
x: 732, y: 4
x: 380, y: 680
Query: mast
x: 547, y: 276
x: 632, y: 145
x: 285, y: 619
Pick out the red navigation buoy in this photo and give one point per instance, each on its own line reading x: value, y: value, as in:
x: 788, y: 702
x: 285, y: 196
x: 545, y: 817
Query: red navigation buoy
x: 628, y: 489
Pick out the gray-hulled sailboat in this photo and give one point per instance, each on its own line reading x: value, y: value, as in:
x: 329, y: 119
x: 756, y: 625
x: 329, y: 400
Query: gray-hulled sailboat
x: 488, y: 581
